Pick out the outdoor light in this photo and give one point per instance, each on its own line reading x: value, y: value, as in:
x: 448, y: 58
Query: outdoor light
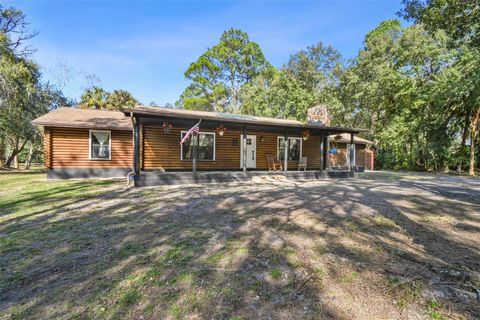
x: 221, y: 130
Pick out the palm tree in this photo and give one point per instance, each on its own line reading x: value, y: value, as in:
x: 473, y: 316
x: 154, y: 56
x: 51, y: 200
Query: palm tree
x: 119, y: 99
x: 94, y: 98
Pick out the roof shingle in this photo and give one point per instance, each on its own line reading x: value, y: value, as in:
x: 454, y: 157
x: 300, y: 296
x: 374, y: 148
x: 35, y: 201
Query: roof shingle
x: 85, y: 118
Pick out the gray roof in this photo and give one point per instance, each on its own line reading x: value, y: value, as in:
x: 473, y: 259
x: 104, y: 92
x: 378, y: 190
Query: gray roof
x: 84, y: 118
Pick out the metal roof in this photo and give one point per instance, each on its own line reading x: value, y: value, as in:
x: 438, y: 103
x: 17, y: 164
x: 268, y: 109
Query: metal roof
x: 153, y: 111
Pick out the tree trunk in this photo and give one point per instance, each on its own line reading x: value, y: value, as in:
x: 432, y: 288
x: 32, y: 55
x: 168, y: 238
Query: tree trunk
x: 2, y: 151
x: 464, y: 141
x: 15, y: 152
x: 478, y: 152
x: 473, y: 136
x: 28, y: 160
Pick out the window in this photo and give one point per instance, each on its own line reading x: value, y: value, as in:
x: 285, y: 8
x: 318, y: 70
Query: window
x: 294, y: 150
x: 205, y: 146
x: 100, y: 145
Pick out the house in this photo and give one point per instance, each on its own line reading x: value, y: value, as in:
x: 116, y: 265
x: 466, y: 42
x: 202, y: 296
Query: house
x: 364, y: 157
x: 144, y: 142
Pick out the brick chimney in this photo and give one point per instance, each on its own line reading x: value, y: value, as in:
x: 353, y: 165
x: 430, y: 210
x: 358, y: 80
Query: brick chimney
x: 319, y: 114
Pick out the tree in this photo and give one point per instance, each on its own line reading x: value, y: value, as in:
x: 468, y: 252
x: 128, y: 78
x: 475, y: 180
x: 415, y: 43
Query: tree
x: 276, y: 94
x: 94, y: 98
x: 99, y: 99
x: 22, y: 98
x: 14, y: 29
x: 119, y: 99
x: 393, y: 88
x: 461, y: 21
x: 219, y: 73
x: 316, y: 67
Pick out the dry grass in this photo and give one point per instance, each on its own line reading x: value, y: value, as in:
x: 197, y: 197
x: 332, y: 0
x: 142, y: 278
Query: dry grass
x: 385, y: 246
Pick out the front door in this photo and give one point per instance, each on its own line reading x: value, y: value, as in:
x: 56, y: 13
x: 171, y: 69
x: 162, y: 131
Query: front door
x: 251, y: 150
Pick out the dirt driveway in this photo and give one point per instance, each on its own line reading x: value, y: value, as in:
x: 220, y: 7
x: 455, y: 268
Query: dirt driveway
x: 380, y: 246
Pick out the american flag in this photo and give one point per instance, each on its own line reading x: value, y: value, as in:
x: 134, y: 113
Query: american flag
x: 195, y: 128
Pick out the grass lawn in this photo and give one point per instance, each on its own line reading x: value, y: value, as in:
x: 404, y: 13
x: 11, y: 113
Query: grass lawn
x: 380, y: 246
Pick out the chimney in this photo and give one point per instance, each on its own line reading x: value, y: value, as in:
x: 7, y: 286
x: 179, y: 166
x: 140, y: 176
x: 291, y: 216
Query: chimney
x: 319, y: 114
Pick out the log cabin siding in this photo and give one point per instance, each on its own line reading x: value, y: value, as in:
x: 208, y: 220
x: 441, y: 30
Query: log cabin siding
x: 162, y: 150
x: 47, y: 147
x: 69, y: 148
x: 340, y: 158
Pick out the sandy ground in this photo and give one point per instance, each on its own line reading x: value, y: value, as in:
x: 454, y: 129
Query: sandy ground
x: 379, y: 246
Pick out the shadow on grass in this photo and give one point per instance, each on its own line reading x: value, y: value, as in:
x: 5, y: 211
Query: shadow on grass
x: 251, y: 251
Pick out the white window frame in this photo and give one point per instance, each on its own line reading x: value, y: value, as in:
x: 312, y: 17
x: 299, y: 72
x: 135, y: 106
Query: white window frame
x: 292, y: 138
x: 90, y: 144
x: 203, y: 132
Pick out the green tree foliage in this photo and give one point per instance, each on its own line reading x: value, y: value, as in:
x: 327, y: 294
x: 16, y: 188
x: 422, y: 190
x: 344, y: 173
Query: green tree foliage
x: 460, y: 20
x: 14, y: 30
x: 276, y: 94
x: 23, y: 96
x: 219, y: 73
x: 393, y: 84
x: 99, y: 99
x: 310, y: 77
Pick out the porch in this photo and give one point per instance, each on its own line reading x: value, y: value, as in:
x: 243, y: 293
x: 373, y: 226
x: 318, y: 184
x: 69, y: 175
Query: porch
x: 228, y: 148
x: 153, y: 178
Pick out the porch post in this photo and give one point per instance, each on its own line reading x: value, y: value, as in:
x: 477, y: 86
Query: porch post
x: 352, y: 150
x: 244, y: 153
x: 325, y: 151
x: 322, y: 146
x: 136, y: 147
x: 286, y: 145
x: 195, y: 151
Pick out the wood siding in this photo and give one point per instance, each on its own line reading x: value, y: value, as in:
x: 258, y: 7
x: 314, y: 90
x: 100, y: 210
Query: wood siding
x: 162, y: 151
x: 69, y: 148
x: 340, y: 158
x: 47, y: 147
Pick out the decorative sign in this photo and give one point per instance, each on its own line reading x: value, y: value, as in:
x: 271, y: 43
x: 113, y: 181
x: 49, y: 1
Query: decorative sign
x: 221, y: 130
x: 305, y: 135
x: 166, y: 127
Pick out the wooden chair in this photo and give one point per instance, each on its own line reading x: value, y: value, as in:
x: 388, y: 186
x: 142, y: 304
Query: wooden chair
x: 302, y: 164
x: 273, y: 164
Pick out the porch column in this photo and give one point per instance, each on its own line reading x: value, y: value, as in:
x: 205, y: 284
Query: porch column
x: 195, y: 153
x: 286, y: 145
x: 325, y: 151
x: 322, y: 146
x: 352, y: 155
x: 136, y: 146
x: 244, y: 153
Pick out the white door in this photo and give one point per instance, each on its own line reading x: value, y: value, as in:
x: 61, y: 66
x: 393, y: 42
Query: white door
x: 251, y: 150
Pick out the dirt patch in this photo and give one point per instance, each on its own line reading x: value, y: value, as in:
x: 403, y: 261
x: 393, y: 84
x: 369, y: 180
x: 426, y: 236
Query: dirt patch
x: 380, y: 246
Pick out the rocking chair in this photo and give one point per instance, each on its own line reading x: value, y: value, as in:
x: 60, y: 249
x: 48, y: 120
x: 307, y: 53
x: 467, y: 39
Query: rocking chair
x: 273, y: 163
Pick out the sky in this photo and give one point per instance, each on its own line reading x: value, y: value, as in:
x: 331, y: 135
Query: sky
x: 146, y: 46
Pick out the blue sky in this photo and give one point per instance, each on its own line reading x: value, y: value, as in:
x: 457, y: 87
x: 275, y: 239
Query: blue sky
x: 145, y: 46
